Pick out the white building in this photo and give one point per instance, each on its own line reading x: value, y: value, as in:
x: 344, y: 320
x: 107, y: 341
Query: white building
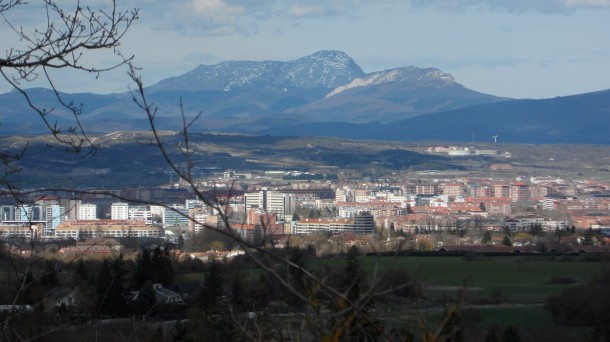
x: 281, y: 204
x: 54, y: 215
x: 119, y: 211
x: 87, y: 211
x: 141, y: 214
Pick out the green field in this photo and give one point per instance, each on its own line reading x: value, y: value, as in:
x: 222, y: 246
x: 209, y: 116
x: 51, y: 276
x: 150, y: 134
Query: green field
x: 516, y: 279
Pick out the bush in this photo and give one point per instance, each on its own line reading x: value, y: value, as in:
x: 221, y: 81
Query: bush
x: 587, y: 304
x: 399, y: 283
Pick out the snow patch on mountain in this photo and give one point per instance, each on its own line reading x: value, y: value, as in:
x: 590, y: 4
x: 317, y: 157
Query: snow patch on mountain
x: 326, y: 69
x: 406, y: 74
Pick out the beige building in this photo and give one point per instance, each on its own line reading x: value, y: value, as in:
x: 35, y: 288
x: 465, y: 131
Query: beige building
x: 107, y: 228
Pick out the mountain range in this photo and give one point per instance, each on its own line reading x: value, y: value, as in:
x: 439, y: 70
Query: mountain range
x: 327, y: 94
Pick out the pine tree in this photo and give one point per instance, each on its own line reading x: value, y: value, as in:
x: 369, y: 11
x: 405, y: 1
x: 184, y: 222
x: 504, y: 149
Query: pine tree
x: 81, y: 270
x: 588, y: 239
x: 355, y: 323
x: 146, y: 298
x: 486, y: 237
x: 110, y: 288
x: 144, y: 268
x: 104, y: 283
x: 212, y: 288
x: 237, y: 293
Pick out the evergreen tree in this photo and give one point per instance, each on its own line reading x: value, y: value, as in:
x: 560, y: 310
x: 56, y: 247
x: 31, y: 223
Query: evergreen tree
x: 81, y: 270
x: 144, y: 268
x: 155, y: 266
x: 354, y: 275
x: 506, y: 241
x: 486, y: 239
x: 116, y: 298
x: 110, y: 288
x: 355, y: 323
x: 295, y: 216
x: 588, y: 238
x: 180, y: 241
x: 212, y: 288
x: 238, y: 293
x: 49, y: 277
x: 146, y: 299
x: 164, y: 271
x: 104, y: 283
x: 296, y: 276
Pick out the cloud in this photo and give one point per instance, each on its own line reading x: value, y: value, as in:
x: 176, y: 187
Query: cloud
x: 305, y: 11
x: 218, y: 11
x: 587, y: 3
x: 542, y: 6
x: 243, y: 17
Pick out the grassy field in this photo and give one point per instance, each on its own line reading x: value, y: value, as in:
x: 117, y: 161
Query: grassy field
x: 516, y: 279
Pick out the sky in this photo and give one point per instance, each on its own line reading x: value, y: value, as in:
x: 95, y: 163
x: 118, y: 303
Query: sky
x: 508, y: 48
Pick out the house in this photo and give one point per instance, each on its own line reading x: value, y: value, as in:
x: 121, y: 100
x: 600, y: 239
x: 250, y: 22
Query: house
x: 163, y: 296
x: 64, y: 299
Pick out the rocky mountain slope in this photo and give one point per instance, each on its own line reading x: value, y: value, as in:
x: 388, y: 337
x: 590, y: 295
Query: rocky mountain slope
x: 245, y: 95
x: 326, y: 94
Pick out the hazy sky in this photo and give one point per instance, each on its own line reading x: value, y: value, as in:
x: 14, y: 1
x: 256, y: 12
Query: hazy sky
x: 512, y: 48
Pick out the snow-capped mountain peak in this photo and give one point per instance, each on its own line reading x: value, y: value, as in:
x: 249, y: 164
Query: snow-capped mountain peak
x: 323, y: 69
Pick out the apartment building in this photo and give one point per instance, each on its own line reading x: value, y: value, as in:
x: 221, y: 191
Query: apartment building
x: 119, y: 211
x: 281, y: 204
x: 107, y: 228
x: 362, y: 223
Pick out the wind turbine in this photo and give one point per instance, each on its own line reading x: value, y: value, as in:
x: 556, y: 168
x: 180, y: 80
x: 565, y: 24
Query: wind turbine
x: 495, y: 138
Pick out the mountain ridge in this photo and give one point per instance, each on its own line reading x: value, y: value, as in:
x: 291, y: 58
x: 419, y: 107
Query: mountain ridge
x: 323, y: 93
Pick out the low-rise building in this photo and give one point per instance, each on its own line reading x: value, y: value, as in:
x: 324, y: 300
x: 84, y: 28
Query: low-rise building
x: 361, y: 223
x: 107, y: 228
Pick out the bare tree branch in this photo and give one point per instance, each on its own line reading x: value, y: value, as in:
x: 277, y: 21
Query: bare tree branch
x: 61, y: 43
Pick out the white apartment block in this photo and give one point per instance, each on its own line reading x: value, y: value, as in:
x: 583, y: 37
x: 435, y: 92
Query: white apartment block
x: 281, y: 204
x: 87, y: 211
x: 342, y: 195
x: 141, y: 214
x: 198, y: 220
x: 119, y: 211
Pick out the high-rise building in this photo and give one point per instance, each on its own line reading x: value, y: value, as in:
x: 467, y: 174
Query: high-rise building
x: 7, y: 212
x: 501, y: 190
x: 87, y: 211
x: 119, y: 211
x: 426, y: 189
x: 519, y: 192
x: 54, y: 215
x: 281, y: 204
x: 176, y: 217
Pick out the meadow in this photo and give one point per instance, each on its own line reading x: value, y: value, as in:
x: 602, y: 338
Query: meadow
x: 510, y: 279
